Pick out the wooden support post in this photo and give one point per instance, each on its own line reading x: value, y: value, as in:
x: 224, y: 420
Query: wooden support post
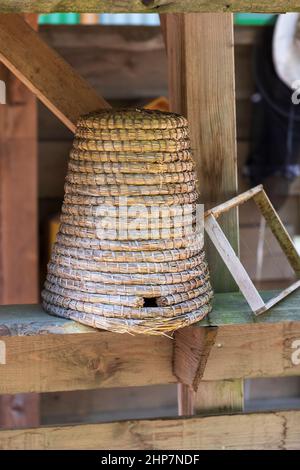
x: 45, y: 73
x: 219, y: 397
x: 201, y: 85
x: 19, y: 220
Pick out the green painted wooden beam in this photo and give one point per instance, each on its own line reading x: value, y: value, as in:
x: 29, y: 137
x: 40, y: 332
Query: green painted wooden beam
x: 229, y: 309
x: 147, y: 6
x: 232, y: 308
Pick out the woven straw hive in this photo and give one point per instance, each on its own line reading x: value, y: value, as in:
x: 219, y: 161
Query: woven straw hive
x: 129, y: 253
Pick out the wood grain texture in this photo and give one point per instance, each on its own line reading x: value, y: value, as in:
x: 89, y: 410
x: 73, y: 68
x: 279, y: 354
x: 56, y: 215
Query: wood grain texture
x: 84, y: 361
x: 202, y: 87
x: 45, y: 73
x: 233, y: 263
x: 148, y: 6
x: 201, y: 80
x: 19, y: 411
x: 19, y: 219
x: 257, y: 431
x: 253, y: 351
x: 191, y: 352
x: 45, y: 353
x: 219, y: 397
x: 18, y: 200
x: 119, y: 62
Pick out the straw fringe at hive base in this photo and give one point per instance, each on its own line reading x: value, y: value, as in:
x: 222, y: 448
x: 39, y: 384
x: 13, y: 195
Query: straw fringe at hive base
x: 129, y: 253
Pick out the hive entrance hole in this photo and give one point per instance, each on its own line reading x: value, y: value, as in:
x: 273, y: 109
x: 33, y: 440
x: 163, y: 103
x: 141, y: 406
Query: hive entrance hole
x: 150, y: 302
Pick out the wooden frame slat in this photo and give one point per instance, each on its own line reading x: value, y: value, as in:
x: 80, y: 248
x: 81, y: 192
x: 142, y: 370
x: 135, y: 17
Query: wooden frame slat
x: 255, y: 431
x: 45, y: 73
x: 148, y: 6
x: 230, y: 258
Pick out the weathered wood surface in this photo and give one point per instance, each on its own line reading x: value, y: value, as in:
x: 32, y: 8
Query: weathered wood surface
x: 247, y: 346
x: 19, y: 411
x: 232, y: 261
x: 18, y: 219
x: 81, y: 362
x: 229, y: 309
x: 191, y: 352
x: 18, y: 194
x: 148, y: 6
x: 257, y: 431
x: 45, y: 73
x: 201, y: 84
x: 45, y: 353
x: 201, y: 80
x: 219, y: 397
x: 119, y: 62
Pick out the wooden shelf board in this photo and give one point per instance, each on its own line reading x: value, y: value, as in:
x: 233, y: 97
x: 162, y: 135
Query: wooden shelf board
x: 229, y: 309
x: 143, y: 6
x: 46, y: 354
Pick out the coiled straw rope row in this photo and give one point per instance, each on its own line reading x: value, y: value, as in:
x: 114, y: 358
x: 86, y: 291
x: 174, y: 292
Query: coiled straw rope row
x: 145, y: 271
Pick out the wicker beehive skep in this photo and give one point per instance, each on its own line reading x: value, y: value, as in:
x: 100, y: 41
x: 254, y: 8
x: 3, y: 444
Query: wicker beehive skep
x: 129, y: 253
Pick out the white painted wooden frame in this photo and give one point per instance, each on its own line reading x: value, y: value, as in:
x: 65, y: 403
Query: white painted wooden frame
x: 232, y: 261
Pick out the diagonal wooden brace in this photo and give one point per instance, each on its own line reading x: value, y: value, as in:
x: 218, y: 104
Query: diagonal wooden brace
x: 45, y: 73
x: 191, y: 351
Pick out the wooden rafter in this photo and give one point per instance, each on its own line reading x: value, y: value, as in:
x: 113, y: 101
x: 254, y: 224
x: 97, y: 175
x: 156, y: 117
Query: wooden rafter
x: 45, y: 73
x: 148, y: 6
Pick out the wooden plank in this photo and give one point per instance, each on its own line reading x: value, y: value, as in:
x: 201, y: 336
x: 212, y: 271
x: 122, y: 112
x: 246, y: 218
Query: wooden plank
x: 207, y: 98
x: 18, y: 208
x: 19, y: 411
x: 89, y: 361
x: 148, y: 6
x: 192, y: 349
x: 229, y: 309
x: 46, y: 353
x: 231, y: 203
x: 93, y: 360
x: 257, y: 431
x: 198, y: 48
x: 251, y: 350
x: 219, y: 397
x: 262, y: 351
x: 45, y: 73
x: 106, y: 55
x: 18, y: 200
x: 109, y: 55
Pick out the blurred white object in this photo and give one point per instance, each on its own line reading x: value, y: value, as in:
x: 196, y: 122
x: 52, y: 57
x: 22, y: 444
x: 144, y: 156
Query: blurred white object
x: 286, y: 48
x: 142, y: 19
